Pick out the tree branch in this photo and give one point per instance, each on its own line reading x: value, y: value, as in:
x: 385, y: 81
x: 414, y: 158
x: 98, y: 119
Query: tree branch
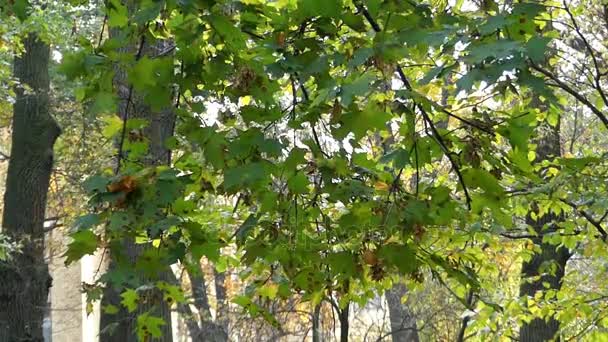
x: 424, y: 114
x: 590, y: 219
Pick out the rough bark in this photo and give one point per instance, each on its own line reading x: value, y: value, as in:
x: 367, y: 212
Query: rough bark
x: 403, y: 321
x: 535, y: 272
x: 25, y: 280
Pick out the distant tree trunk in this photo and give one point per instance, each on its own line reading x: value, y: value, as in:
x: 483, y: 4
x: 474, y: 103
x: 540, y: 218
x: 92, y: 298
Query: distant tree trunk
x: 344, y: 323
x: 534, y: 272
x: 316, y: 323
x: 222, y: 300
x: 25, y: 280
x: 122, y: 325
x: 403, y: 321
x: 210, y: 330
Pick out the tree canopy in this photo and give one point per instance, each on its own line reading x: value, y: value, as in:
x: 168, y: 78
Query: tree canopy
x: 334, y: 148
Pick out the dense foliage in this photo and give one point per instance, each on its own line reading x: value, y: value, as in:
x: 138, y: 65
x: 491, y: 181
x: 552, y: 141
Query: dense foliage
x: 332, y: 148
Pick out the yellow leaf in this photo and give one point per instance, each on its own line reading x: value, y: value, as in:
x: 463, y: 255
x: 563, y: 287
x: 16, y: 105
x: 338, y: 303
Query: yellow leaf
x: 381, y: 186
x: 245, y: 100
x: 89, y: 308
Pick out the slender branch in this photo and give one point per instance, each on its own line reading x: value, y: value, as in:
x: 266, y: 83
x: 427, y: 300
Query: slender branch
x: 559, y: 83
x: 103, y: 28
x: 575, y: 127
x: 598, y: 74
x: 166, y: 51
x: 466, y: 121
x: 516, y: 237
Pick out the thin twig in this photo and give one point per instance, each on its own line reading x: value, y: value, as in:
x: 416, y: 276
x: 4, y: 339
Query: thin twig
x: 306, y: 98
x: 126, y: 115
x: 103, y: 28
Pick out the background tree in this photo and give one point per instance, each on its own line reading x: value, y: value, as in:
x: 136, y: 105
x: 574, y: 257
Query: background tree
x: 26, y: 279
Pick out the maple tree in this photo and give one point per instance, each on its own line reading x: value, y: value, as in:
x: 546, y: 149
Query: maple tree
x: 351, y: 146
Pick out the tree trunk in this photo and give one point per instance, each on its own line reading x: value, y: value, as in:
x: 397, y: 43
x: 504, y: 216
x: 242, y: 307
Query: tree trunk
x: 25, y: 279
x: 403, y: 321
x: 534, y: 272
x: 122, y: 325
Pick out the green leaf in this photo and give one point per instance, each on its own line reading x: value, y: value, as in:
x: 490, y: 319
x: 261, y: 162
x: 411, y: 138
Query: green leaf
x: 148, y: 325
x: 360, y: 56
x: 243, y: 301
x: 431, y: 75
x: 483, y: 179
x: 244, y: 176
x: 298, y: 184
x: 295, y: 158
x: 113, y: 126
x: 96, y: 184
x: 536, y: 48
x: 103, y: 103
x: 86, y: 221
x: 492, y: 24
x: 257, y: 114
x: 354, y: 21
x: 499, y: 50
x: 209, y: 249
x: 21, y: 8
x: 130, y: 298
x: 357, y: 87
x: 214, y: 152
x: 117, y: 14
x: 324, y: 8
x: 400, y: 158
x: 343, y: 263
x: 230, y: 34
x: 519, y: 130
x: 143, y: 74
x: 246, y: 228
x: 171, y: 293
x: 110, y: 309
x: 359, y: 122
x: 268, y: 291
x: 84, y: 242
x: 401, y: 256
x: 151, y: 260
